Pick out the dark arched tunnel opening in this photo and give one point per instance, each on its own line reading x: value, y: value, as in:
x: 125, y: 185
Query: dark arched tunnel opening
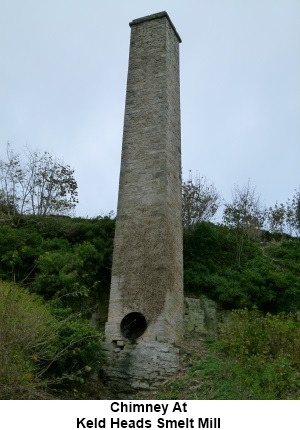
x: 133, y: 325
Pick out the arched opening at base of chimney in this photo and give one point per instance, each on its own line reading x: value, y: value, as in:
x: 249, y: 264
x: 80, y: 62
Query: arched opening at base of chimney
x: 133, y: 325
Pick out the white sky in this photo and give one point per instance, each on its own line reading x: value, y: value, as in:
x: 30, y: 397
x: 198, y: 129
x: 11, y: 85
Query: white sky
x: 63, y: 81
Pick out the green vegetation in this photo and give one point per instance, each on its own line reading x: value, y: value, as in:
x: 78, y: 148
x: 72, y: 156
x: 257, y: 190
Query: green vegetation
x: 55, y: 276
x: 266, y: 276
x: 257, y: 357
x: 40, y: 352
x: 63, y: 259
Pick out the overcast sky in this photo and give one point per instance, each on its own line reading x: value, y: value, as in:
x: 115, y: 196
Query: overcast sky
x: 63, y: 81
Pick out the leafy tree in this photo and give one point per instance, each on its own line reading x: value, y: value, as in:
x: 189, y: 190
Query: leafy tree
x: 40, y: 185
x: 276, y: 218
x: 200, y: 200
x: 293, y: 213
x: 5, y: 206
x: 244, y: 215
x: 284, y: 219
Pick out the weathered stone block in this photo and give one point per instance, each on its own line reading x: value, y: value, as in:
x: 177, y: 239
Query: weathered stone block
x: 143, y: 367
x: 203, y: 315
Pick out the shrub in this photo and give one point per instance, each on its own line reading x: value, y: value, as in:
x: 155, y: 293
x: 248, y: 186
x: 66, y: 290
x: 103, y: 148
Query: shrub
x: 26, y: 331
x: 39, y: 350
x: 251, y: 333
x: 79, y: 352
x: 266, y: 350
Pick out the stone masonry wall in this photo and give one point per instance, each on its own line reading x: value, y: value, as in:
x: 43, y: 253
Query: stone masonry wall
x: 203, y: 316
x: 142, y: 367
x: 147, y: 273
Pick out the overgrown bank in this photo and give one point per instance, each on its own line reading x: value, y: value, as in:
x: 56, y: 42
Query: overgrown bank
x: 66, y: 262
x: 256, y: 357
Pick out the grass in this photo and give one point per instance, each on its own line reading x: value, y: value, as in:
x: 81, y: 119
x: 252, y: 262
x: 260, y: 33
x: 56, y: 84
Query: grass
x: 242, y: 363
